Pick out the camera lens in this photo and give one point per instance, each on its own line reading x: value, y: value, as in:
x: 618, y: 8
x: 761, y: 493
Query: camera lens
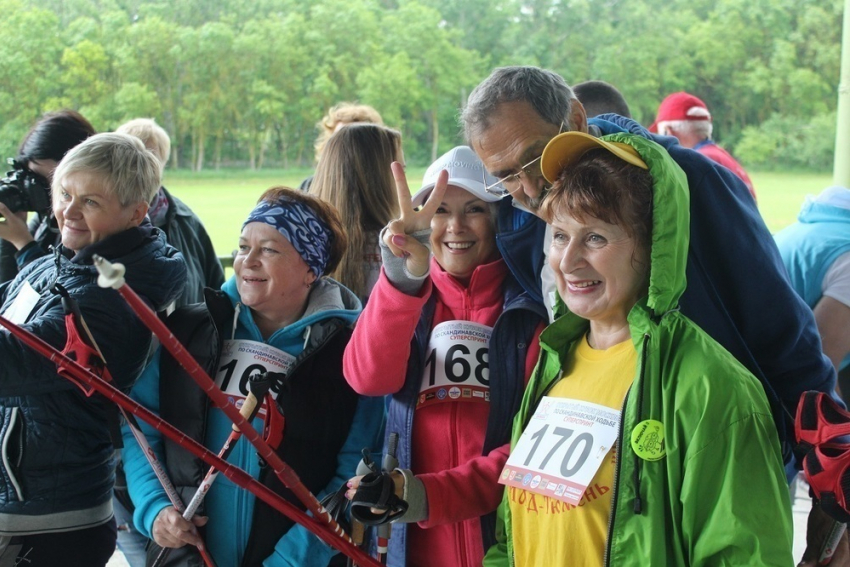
x: 12, y: 196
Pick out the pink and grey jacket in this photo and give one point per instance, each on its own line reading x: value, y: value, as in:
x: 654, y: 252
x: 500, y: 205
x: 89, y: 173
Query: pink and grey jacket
x: 455, y: 449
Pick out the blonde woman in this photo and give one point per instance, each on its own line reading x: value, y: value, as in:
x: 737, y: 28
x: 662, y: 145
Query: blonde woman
x: 341, y: 115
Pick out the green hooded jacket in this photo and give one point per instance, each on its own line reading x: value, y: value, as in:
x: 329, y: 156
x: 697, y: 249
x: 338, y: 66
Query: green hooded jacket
x: 719, y: 495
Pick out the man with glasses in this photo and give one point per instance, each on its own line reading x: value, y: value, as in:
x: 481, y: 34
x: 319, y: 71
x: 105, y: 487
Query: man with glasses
x: 737, y: 288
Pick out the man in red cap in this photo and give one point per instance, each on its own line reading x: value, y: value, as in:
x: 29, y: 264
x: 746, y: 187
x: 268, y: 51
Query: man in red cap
x: 687, y: 118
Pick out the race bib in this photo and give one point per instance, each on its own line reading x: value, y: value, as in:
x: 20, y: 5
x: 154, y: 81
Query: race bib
x: 457, y: 364
x: 239, y: 360
x: 562, y: 447
x: 23, y: 305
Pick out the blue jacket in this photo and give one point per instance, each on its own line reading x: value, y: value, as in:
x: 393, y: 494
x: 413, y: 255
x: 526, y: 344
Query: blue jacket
x: 57, y: 467
x: 810, y: 246
x: 512, y: 334
x: 231, y: 509
x: 737, y: 291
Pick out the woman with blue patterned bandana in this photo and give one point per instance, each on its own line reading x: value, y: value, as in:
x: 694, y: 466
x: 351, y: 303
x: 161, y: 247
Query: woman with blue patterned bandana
x: 277, y: 313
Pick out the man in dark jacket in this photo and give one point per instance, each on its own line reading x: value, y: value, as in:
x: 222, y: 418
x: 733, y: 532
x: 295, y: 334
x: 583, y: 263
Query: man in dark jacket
x: 737, y: 288
x: 181, y: 225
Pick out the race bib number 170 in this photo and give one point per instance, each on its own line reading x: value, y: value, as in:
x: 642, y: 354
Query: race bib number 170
x: 562, y: 447
x: 457, y: 367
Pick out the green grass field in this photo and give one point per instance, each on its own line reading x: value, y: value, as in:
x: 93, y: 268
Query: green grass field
x: 222, y: 199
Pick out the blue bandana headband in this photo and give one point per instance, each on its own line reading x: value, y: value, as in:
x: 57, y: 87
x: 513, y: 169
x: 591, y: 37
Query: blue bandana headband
x: 297, y: 222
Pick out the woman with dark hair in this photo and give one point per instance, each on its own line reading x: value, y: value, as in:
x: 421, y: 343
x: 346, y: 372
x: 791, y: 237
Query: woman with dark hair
x: 640, y: 440
x: 41, y: 150
x: 354, y: 176
x: 280, y: 310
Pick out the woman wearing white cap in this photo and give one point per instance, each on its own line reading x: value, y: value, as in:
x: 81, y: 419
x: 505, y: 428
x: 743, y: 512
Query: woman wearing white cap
x: 451, y: 336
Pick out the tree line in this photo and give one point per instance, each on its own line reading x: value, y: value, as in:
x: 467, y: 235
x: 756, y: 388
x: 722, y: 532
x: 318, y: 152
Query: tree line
x: 243, y: 82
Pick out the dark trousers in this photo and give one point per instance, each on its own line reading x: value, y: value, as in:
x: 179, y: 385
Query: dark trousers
x: 91, y: 547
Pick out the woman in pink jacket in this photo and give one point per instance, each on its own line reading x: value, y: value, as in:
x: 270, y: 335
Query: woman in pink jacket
x: 451, y: 336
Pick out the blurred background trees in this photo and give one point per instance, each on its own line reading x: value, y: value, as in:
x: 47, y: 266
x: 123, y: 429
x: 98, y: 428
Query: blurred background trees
x: 243, y: 82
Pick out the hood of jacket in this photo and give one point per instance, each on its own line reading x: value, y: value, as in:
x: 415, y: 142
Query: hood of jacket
x: 669, y: 245
x: 814, y: 211
x: 708, y: 403
x: 329, y: 300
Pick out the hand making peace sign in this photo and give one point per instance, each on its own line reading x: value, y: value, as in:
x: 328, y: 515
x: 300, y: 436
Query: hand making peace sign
x: 397, y: 238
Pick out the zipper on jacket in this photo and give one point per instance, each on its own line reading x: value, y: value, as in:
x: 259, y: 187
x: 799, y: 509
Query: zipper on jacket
x: 12, y: 462
x: 638, y: 504
x: 461, y: 532
x: 616, y: 483
x: 620, y: 456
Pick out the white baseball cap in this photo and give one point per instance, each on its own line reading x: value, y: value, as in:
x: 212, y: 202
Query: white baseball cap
x: 465, y: 171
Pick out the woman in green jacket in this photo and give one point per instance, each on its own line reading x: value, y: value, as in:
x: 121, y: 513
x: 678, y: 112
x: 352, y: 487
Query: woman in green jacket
x: 640, y: 440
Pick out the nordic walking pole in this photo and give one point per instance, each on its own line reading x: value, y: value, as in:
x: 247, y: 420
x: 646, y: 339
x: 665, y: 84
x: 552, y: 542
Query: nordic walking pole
x: 830, y: 544
x: 259, y: 387
x: 112, y: 275
x: 71, y: 370
x: 389, y: 464
x: 82, y: 352
x: 163, y: 480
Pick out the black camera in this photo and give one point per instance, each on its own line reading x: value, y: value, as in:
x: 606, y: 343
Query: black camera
x: 23, y: 190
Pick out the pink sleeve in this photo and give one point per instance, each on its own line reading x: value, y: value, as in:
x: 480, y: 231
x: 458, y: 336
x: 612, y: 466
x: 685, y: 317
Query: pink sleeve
x: 375, y: 360
x: 468, y: 491
x: 472, y: 489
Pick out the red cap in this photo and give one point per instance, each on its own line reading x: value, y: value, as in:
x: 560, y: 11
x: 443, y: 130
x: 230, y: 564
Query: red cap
x: 680, y: 106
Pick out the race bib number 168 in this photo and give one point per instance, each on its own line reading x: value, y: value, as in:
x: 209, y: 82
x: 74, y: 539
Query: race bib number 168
x: 457, y: 367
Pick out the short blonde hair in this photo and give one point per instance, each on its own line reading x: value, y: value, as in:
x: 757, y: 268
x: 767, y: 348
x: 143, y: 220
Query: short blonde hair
x: 125, y: 165
x: 152, y: 135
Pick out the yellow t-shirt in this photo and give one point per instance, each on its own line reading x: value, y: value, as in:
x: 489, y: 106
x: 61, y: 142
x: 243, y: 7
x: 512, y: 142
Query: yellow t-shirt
x: 546, y: 531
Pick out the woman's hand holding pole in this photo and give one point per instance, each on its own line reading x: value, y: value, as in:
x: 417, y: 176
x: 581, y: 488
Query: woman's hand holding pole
x: 113, y: 276
x: 170, y: 531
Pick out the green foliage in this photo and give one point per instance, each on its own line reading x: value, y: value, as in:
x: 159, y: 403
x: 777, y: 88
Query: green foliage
x: 243, y: 82
x: 791, y: 142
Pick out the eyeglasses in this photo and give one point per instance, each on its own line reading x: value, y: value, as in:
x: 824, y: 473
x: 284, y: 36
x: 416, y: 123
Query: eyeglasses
x: 509, y: 184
